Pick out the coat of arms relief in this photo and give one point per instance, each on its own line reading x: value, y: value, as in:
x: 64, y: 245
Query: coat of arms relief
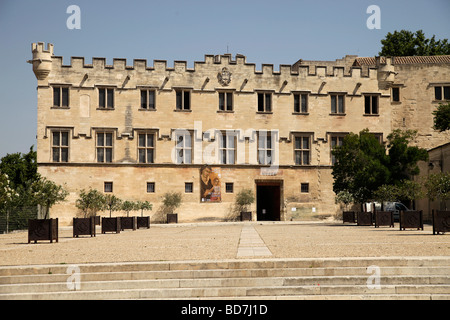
x: 224, y: 76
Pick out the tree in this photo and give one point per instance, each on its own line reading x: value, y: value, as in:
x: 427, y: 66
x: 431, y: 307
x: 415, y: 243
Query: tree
x: 20, y: 168
x: 143, y: 205
x: 47, y: 193
x: 344, y: 197
x: 244, y: 198
x: 171, y: 201
x: 361, y: 166
x: 112, y: 203
x: 403, y: 158
x: 407, y: 43
x: 438, y: 187
x: 442, y: 117
x: 128, y: 205
x: 90, y: 202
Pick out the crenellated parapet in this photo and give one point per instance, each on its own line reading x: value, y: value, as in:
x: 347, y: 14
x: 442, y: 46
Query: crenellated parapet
x: 42, y: 59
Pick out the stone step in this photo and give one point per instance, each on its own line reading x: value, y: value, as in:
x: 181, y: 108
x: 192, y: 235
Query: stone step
x: 222, y: 273
x: 223, y: 282
x: 230, y: 265
x: 236, y: 292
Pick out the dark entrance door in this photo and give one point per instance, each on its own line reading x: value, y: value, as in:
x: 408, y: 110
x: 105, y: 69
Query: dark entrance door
x: 268, y: 202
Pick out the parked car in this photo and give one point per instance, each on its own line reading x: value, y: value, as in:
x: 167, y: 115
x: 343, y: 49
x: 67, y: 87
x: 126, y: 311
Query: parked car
x: 396, y: 207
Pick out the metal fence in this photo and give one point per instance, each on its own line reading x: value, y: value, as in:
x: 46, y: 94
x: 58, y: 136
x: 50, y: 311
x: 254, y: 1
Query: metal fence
x: 16, y: 218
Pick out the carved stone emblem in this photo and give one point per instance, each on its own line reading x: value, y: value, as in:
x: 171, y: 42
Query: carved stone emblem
x: 224, y: 77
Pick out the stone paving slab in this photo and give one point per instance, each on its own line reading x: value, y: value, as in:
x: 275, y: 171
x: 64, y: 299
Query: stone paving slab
x: 225, y: 241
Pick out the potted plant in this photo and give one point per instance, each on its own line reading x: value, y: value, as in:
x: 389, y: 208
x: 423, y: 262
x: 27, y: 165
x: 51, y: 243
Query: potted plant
x: 112, y: 203
x: 143, y: 222
x: 438, y: 188
x: 244, y: 199
x: 128, y: 222
x: 346, y: 198
x: 46, y: 193
x: 171, y: 201
x: 89, y: 202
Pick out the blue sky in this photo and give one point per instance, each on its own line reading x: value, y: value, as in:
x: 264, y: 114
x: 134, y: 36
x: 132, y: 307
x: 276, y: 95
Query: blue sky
x: 275, y: 32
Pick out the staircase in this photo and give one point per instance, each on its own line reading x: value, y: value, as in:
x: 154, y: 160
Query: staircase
x: 327, y: 278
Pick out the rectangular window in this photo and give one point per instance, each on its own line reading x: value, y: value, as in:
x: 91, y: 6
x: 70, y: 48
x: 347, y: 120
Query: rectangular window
x: 106, y: 98
x: 60, y: 146
x: 146, y: 147
x: 183, y: 148
x: 337, y: 104
x: 188, y: 187
x: 304, y: 188
x: 104, y: 146
x: 227, y: 148
x: 265, y: 147
x: 226, y: 101
x: 396, y: 94
x: 335, y: 141
x: 150, y: 187
x: 229, y: 187
x: 264, y: 102
x: 183, y: 98
x: 61, y: 97
x: 301, y: 102
x: 108, y: 187
x: 371, y: 104
x: 302, y: 150
x: 148, y: 99
x: 442, y: 93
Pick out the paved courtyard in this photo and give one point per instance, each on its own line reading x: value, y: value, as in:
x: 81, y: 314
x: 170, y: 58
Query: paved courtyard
x: 217, y: 241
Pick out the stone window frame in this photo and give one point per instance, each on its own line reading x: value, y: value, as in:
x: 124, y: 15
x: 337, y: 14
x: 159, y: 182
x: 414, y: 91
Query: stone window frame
x: 104, y: 147
x: 61, y: 90
x: 304, y: 187
x: 226, y: 134
x: 152, y: 189
x: 59, y: 146
x: 298, y: 105
x: 188, y: 187
x: 183, y: 93
x: 109, y: 104
x: 147, y: 90
x: 445, y: 94
x: 227, y: 94
x: 229, y: 187
x: 262, y: 105
x: 369, y: 109
x: 145, y: 147
x: 108, y: 184
x: 176, y: 134
x: 300, y: 149
x: 335, y: 107
x: 339, y: 138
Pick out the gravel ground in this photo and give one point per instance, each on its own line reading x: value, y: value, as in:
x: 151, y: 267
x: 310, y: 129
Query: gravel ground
x: 217, y: 241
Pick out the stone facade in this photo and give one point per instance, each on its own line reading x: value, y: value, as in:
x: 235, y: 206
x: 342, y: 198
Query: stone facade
x: 146, y: 130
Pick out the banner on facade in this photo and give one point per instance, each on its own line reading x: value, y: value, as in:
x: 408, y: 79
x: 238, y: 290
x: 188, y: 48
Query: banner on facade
x: 210, y: 184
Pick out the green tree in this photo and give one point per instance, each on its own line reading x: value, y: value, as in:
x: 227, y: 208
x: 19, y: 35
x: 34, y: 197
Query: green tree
x: 143, y: 205
x: 47, y: 193
x: 407, y: 43
x: 244, y: 198
x: 20, y: 168
x: 403, y: 158
x: 442, y: 117
x: 90, y: 202
x: 361, y: 166
x: 171, y: 201
x: 437, y: 187
x: 128, y: 206
x: 112, y: 203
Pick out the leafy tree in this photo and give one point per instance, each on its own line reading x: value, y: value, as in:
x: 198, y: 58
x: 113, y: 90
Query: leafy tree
x: 143, y: 205
x: 442, y: 117
x: 20, y: 168
x: 90, y: 202
x: 438, y: 187
x: 171, y: 201
x: 47, y: 193
x: 128, y: 205
x: 112, y: 203
x: 403, y: 158
x: 407, y: 43
x: 344, y: 197
x: 361, y: 166
x: 245, y: 198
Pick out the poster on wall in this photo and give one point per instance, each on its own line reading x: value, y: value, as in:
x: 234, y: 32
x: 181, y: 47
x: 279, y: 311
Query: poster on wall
x: 210, y: 190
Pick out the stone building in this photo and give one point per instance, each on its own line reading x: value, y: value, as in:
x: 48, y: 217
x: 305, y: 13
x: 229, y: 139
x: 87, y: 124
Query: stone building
x: 139, y: 131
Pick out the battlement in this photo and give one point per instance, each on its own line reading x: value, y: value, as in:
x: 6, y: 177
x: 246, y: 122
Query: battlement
x: 40, y: 47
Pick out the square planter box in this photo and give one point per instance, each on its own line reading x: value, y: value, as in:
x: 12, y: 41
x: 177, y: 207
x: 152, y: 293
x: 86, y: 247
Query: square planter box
x: 411, y: 219
x: 111, y: 225
x: 42, y: 229
x: 172, y: 218
x: 143, y: 222
x: 84, y: 226
x: 349, y: 216
x: 441, y: 221
x: 364, y: 218
x: 384, y: 218
x: 246, y: 216
x: 128, y: 223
